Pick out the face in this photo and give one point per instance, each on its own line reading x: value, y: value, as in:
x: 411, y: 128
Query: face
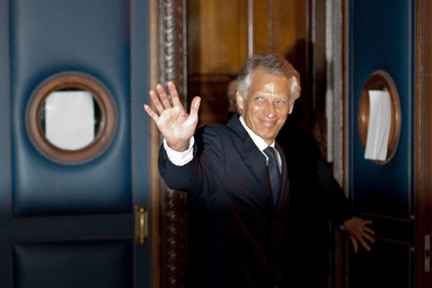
x: 267, y: 105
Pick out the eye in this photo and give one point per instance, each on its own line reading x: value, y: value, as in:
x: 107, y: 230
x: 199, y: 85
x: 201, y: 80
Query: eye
x: 259, y: 98
x: 281, y: 102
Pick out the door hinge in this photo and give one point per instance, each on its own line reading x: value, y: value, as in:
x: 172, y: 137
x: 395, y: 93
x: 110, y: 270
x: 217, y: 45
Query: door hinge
x: 141, y: 224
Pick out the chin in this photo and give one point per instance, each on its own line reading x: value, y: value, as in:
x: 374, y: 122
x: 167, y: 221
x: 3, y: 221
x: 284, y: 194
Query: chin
x: 271, y: 137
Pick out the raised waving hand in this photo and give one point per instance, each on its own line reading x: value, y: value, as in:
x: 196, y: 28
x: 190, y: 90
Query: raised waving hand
x: 173, y: 122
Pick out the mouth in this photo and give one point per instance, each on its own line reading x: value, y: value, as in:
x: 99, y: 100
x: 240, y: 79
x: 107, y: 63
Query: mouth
x: 269, y: 123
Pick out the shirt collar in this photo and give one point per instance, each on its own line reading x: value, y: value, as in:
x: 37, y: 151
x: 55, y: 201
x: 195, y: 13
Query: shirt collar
x: 259, y: 142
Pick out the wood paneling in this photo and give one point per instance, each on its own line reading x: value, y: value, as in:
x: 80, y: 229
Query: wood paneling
x: 217, y: 32
x: 218, y: 44
x: 278, y: 25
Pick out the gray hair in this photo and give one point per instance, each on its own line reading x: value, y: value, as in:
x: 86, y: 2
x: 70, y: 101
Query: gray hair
x: 273, y: 64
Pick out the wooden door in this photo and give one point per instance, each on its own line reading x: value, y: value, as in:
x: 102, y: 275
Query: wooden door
x: 67, y: 213
x: 381, y: 39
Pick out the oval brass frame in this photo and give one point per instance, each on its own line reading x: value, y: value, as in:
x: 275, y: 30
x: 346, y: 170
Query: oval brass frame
x: 380, y: 80
x: 107, y: 126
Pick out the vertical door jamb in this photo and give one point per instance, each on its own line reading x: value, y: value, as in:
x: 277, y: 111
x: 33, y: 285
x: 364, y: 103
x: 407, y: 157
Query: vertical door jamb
x: 172, y: 48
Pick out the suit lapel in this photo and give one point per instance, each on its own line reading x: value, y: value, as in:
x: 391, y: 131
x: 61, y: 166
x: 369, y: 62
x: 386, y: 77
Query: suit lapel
x: 252, y: 156
x: 284, y: 195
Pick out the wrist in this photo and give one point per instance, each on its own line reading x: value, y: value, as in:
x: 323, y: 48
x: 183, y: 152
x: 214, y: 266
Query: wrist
x: 179, y: 147
x: 179, y: 158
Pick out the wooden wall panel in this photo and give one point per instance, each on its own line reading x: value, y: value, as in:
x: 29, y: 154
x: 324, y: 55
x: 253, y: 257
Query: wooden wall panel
x: 218, y: 44
x: 217, y: 32
x: 262, y: 26
x: 279, y: 25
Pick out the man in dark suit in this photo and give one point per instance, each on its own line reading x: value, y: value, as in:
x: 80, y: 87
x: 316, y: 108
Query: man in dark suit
x: 239, y: 193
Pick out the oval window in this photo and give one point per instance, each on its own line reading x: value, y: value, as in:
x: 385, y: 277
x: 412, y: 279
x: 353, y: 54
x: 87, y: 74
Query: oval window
x: 71, y: 118
x: 379, y: 117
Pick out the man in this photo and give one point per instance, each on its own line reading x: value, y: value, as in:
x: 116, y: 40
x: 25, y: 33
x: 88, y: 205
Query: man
x: 311, y: 207
x: 239, y: 197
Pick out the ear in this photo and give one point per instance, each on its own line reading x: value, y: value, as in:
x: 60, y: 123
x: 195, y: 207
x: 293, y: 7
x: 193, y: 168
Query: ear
x: 240, y: 100
x: 291, y: 108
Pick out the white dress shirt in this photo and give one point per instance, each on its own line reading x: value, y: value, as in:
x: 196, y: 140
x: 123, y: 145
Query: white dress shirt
x: 182, y: 158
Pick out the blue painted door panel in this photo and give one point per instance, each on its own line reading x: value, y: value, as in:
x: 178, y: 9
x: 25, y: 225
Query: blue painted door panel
x: 381, y: 36
x: 375, y: 270
x: 63, y: 224
x: 66, y: 259
x: 47, y: 38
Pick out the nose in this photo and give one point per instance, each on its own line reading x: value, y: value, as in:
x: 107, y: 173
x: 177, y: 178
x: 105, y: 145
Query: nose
x: 270, y: 109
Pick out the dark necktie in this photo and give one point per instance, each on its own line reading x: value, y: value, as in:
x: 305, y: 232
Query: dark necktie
x: 274, y: 174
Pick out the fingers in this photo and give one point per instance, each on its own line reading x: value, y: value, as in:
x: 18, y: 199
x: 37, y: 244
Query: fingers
x: 196, y: 101
x: 162, y: 101
x: 354, y: 243
x: 155, y: 100
x: 367, y: 222
x: 356, y: 240
x: 368, y: 238
x: 151, y: 113
x: 162, y: 104
x: 163, y: 96
x: 364, y: 244
x: 367, y: 232
x: 360, y: 233
x: 174, y: 94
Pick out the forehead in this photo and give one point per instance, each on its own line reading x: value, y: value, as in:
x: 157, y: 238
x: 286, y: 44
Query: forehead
x: 263, y: 82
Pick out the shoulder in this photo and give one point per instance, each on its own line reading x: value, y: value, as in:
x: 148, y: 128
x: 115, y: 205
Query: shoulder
x: 298, y: 143
x: 212, y: 129
x: 215, y: 134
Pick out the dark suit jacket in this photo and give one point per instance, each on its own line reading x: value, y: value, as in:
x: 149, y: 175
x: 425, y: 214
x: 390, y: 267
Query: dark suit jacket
x: 237, y: 236
x: 317, y: 205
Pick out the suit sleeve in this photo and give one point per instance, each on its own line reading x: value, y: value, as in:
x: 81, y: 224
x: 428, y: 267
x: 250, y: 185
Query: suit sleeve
x: 338, y: 206
x: 316, y: 187
x: 197, y: 176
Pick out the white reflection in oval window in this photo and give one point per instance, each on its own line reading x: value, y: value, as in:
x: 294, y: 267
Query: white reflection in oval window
x: 69, y: 119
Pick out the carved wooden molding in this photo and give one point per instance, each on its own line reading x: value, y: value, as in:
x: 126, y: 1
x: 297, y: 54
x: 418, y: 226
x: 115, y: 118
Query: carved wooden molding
x: 172, y: 43
x: 172, y: 65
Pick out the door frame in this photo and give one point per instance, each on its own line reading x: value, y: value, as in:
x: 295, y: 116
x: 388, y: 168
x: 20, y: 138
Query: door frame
x: 168, y: 62
x: 423, y: 142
